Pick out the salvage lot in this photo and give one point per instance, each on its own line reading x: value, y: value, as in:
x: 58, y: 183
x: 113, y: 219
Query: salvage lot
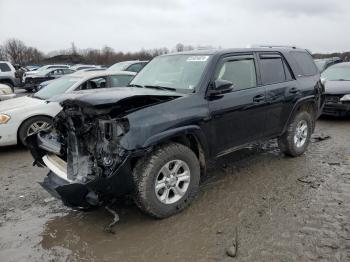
x: 280, y: 209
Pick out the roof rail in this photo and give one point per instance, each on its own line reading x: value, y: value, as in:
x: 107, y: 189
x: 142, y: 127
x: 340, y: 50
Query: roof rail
x: 273, y: 46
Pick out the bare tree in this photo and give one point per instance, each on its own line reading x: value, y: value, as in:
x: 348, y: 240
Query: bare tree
x: 179, y: 47
x: 15, y: 50
x: 2, y: 53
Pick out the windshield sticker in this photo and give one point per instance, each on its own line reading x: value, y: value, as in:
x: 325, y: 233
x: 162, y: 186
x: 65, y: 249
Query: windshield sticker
x: 197, y: 58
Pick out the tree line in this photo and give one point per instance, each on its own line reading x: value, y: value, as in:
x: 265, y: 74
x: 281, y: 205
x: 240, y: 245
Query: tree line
x: 18, y: 52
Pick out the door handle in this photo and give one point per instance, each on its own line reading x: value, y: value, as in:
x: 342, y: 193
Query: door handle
x: 293, y: 90
x: 258, y: 98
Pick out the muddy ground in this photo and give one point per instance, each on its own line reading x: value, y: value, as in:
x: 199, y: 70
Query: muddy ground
x: 280, y: 208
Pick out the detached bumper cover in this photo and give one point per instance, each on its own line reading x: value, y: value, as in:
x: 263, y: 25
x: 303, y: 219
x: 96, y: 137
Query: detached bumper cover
x: 85, y: 195
x: 336, y: 109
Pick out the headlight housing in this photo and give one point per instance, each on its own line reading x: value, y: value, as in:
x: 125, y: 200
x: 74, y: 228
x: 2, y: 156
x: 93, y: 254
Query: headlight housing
x: 4, y: 118
x: 345, y: 98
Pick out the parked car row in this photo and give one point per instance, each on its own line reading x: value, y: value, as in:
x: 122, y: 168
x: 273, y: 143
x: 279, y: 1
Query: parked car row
x: 23, y: 116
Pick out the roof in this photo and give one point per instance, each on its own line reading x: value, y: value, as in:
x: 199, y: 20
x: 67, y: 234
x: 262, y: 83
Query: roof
x: 101, y: 73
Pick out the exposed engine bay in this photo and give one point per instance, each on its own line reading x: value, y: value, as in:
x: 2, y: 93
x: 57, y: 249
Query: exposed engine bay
x: 83, y: 150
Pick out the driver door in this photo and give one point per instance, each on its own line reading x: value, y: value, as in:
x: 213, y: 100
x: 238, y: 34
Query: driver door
x: 237, y: 117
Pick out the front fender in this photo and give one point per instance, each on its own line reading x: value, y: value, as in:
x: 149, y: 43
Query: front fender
x: 194, y: 130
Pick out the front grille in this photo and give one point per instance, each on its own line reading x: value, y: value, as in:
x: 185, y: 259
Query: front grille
x: 335, y: 99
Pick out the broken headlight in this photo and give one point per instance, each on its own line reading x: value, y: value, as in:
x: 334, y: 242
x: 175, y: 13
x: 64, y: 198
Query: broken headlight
x: 112, y: 129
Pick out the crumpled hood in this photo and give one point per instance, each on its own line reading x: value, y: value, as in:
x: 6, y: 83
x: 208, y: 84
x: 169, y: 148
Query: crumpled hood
x: 18, y: 103
x: 337, y: 87
x: 107, y: 96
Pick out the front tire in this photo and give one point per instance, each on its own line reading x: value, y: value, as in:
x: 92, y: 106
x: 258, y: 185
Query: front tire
x: 296, y: 139
x: 167, y: 180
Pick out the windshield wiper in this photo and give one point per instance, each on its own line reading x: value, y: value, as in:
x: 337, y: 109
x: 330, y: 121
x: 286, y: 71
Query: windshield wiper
x: 135, y: 85
x: 38, y: 97
x: 161, y: 87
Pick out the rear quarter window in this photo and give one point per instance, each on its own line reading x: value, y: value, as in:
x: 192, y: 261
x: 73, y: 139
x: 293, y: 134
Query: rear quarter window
x: 305, y: 63
x: 4, y: 67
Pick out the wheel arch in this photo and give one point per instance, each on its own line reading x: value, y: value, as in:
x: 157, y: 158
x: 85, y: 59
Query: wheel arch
x: 306, y: 104
x: 190, y: 136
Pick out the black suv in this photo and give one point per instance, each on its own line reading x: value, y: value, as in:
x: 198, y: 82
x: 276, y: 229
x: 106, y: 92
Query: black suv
x: 154, y: 138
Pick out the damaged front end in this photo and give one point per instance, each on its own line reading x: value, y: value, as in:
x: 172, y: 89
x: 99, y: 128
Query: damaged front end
x: 88, y: 166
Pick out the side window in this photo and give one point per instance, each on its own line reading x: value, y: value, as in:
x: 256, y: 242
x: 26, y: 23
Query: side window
x: 305, y: 63
x: 135, y: 68
x: 57, y: 72
x: 4, y: 67
x: 272, y: 69
x: 67, y: 71
x: 120, y: 80
x: 241, y: 72
x: 94, y: 83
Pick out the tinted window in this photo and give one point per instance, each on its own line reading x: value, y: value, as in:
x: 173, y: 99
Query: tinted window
x: 68, y: 71
x: 98, y: 82
x: 272, y: 70
x: 305, y: 63
x: 4, y: 67
x: 240, y: 72
x: 135, y: 68
x: 120, y: 80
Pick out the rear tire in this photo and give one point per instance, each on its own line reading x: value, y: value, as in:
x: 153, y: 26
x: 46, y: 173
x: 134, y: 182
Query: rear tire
x: 167, y: 180
x: 33, y: 125
x: 296, y: 139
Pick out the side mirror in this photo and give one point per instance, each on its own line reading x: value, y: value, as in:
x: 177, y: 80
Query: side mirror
x: 323, y: 80
x: 220, y: 87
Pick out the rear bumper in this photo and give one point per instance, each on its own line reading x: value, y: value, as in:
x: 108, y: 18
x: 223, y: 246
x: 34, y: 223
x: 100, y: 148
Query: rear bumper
x: 336, y: 109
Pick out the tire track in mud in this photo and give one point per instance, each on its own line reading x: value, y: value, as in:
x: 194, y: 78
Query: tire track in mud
x: 325, y: 227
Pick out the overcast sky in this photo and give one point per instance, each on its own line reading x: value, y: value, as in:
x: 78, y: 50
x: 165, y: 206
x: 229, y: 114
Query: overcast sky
x: 129, y: 25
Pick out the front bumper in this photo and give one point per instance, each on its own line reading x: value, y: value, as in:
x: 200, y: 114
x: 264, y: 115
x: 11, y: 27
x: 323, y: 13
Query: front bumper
x: 96, y: 192
x: 8, y: 134
x: 336, y: 109
x: 6, y: 97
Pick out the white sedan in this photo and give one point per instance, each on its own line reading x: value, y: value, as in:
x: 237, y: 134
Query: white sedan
x: 23, y: 116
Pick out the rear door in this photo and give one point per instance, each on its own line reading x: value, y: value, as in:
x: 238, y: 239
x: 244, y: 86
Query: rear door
x: 237, y: 117
x: 281, y: 91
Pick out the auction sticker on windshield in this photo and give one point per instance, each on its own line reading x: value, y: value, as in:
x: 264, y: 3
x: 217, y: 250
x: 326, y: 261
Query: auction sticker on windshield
x: 197, y: 58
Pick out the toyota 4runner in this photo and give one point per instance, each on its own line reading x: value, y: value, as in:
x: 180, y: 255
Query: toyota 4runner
x: 154, y: 138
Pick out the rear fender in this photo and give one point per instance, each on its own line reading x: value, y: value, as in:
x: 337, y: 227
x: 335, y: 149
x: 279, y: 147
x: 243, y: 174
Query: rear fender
x: 305, y: 100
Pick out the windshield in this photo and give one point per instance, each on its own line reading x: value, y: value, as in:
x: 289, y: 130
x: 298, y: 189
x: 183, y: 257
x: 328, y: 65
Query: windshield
x: 118, y: 66
x: 57, y: 87
x: 173, y: 71
x: 320, y: 64
x: 337, y: 73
